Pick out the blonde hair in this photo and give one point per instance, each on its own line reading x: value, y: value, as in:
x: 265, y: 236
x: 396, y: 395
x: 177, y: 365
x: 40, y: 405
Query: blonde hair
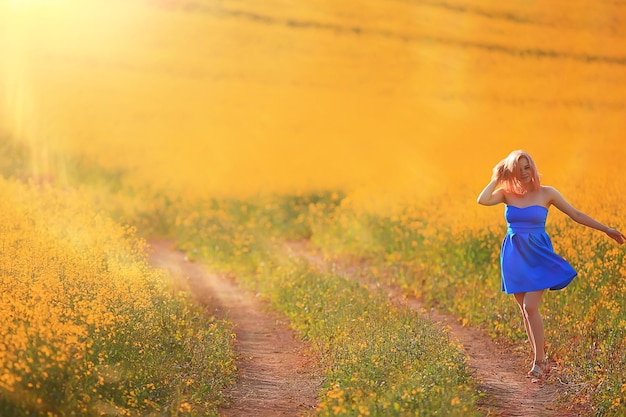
x: 506, y: 171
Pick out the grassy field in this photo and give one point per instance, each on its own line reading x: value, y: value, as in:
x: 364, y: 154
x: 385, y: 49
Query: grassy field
x: 451, y: 266
x: 87, y: 325
x: 367, y: 128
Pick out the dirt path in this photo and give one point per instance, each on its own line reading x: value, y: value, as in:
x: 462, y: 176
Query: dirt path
x: 277, y: 373
x: 500, y: 372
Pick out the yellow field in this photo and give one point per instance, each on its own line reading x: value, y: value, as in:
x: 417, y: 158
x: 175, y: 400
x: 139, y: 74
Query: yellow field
x: 234, y: 97
x: 382, y: 104
x: 86, y: 324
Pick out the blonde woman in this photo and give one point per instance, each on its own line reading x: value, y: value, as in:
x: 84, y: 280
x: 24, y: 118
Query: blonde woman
x: 528, y: 262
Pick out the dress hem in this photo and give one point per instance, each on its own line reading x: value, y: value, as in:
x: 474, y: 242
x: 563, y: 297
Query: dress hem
x: 557, y: 287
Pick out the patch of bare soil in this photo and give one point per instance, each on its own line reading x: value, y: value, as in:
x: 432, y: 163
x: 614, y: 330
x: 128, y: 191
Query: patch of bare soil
x: 501, y: 373
x: 277, y: 374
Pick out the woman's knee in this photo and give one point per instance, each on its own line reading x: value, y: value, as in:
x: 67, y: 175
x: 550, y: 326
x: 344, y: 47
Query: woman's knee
x: 530, y: 309
x: 531, y: 303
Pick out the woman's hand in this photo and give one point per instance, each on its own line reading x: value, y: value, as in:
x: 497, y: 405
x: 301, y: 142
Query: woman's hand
x: 616, y: 235
x: 498, y: 172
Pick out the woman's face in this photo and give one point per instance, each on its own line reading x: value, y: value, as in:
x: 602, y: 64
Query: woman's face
x: 524, y: 171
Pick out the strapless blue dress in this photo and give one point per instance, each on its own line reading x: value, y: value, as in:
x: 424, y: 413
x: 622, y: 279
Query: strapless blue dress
x: 527, y: 259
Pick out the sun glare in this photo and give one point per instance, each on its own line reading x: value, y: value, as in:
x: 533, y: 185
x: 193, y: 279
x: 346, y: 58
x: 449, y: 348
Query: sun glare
x: 242, y: 96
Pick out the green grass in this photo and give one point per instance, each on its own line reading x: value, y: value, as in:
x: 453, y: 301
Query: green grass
x: 379, y: 359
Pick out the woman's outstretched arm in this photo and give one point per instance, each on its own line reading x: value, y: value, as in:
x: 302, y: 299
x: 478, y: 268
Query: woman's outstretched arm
x: 578, y: 216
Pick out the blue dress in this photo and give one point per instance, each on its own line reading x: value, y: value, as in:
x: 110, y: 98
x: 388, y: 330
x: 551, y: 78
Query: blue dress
x: 527, y: 259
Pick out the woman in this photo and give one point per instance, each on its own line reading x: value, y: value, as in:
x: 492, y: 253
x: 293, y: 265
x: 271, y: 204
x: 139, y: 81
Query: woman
x: 528, y: 262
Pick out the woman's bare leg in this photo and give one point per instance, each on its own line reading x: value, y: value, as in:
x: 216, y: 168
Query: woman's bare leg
x: 529, y: 303
x: 519, y: 298
x: 532, y: 301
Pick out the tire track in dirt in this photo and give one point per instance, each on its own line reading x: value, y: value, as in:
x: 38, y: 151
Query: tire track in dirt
x: 500, y: 372
x: 277, y: 374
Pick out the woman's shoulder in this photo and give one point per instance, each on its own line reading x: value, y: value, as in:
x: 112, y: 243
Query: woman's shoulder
x: 549, y: 195
x: 548, y: 190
